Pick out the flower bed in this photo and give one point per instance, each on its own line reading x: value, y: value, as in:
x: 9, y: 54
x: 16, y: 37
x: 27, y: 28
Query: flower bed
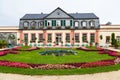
x: 30, y: 49
x: 97, y: 64
x: 58, y: 66
x: 14, y: 64
x: 87, y: 49
x: 110, y: 53
x: 5, y: 52
x: 2, y: 53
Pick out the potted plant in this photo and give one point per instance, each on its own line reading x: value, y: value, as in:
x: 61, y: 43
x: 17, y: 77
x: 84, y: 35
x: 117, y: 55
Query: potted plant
x: 58, y: 27
x: 33, y: 27
x: 67, y: 27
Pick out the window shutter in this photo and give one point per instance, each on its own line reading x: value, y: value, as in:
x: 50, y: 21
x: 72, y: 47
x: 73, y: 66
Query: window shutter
x: 61, y: 22
x: 71, y: 23
x: 54, y: 22
x: 45, y: 22
x: 64, y: 23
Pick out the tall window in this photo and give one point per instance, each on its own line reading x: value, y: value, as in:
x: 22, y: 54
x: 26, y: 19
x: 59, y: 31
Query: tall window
x: 26, y: 37
x: 40, y: 37
x: 92, y: 37
x: 67, y: 22
x: 40, y: 24
x: 76, y: 23
x: 92, y: 23
x: 25, y: 25
x: 33, y: 38
x: 49, y: 23
x: 84, y: 37
x: 84, y: 23
x: 67, y: 37
x: 33, y: 24
x: 58, y: 23
x: 118, y: 38
x: 49, y: 38
x: 76, y: 37
x: 107, y: 39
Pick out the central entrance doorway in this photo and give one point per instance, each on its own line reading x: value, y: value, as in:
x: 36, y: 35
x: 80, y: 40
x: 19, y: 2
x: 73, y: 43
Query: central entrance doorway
x: 58, y: 39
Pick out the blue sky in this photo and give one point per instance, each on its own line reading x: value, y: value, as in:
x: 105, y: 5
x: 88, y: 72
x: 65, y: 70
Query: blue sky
x: 12, y: 10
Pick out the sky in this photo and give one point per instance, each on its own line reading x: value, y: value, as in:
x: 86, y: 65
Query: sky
x: 12, y: 10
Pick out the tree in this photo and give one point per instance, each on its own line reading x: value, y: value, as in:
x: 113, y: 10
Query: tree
x: 108, y: 23
x: 116, y: 43
x: 112, y: 39
x: 11, y: 38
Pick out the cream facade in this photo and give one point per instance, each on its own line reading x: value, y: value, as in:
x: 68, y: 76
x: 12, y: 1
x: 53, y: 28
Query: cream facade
x: 105, y: 31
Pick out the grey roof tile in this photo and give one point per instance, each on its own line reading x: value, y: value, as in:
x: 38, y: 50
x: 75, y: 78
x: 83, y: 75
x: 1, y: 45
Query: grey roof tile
x: 74, y: 15
x: 34, y: 16
x: 83, y: 15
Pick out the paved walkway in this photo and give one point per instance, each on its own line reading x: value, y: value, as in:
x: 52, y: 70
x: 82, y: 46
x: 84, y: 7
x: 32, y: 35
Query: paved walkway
x: 111, y: 48
x: 114, y: 75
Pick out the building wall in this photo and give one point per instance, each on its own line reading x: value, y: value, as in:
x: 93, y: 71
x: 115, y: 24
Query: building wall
x: 105, y: 30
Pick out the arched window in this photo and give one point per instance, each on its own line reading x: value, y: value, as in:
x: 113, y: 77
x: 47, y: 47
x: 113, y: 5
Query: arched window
x: 40, y: 24
x: 84, y: 23
x: 76, y: 23
x: 25, y: 25
x: 33, y: 24
x: 92, y: 23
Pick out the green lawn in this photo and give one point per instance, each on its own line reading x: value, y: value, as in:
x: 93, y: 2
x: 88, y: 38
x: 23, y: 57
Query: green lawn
x: 35, y: 57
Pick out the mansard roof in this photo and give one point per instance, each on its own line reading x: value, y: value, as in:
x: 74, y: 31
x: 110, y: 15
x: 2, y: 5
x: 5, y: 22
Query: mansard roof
x: 72, y: 15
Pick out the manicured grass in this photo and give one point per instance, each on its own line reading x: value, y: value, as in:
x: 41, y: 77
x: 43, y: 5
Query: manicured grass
x: 25, y: 47
x: 60, y: 72
x: 35, y: 57
x: 91, y: 47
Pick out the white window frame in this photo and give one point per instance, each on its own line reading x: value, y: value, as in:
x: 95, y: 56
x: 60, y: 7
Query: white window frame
x: 76, y: 23
x: 67, y: 22
x: 25, y: 24
x: 92, y: 23
x: 49, y: 21
x: 58, y: 22
x: 84, y: 23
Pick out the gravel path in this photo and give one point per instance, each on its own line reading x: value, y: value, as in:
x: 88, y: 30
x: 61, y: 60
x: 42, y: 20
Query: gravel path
x: 114, y: 75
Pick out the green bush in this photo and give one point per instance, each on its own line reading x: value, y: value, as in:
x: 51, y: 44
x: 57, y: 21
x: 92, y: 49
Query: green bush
x: 3, y: 43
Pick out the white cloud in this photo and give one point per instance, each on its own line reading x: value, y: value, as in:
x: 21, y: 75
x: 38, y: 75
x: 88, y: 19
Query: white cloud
x: 12, y: 10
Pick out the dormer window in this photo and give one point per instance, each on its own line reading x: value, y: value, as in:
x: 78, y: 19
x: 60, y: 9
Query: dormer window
x: 76, y: 23
x: 48, y: 23
x: 25, y: 25
x: 58, y: 23
x: 84, y: 24
x: 40, y: 24
x: 33, y: 24
x: 92, y: 23
x: 67, y: 22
